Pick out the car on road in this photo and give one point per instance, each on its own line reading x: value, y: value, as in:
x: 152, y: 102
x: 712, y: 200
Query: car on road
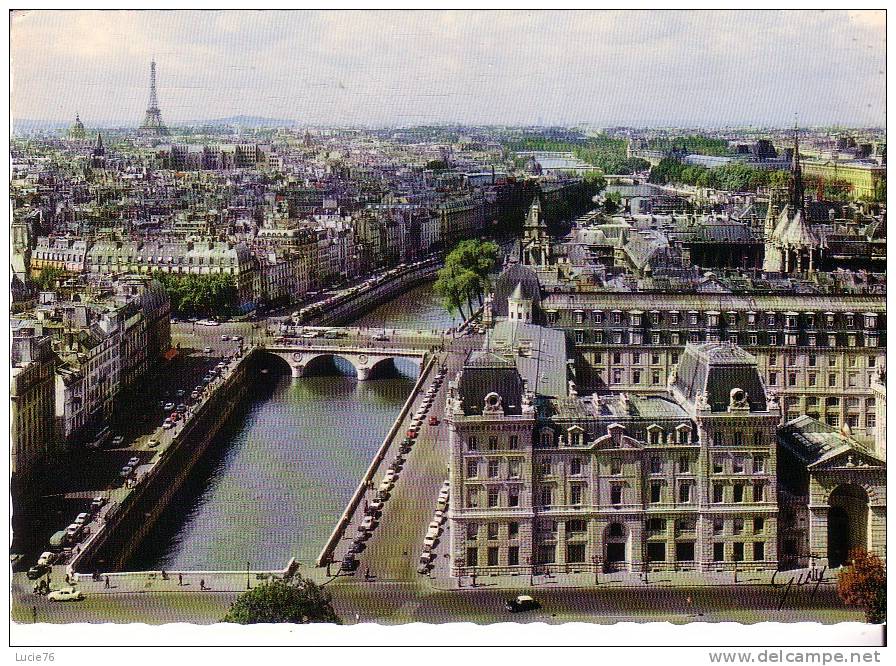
x: 433, y: 420
x: 180, y: 393
x: 357, y: 547
x: 169, y: 406
x: 181, y: 408
x: 429, y: 543
x: 73, y: 531
x: 225, y: 338
x: 349, y: 563
x: 379, y: 337
x: 126, y: 471
x: 66, y: 594
x: 375, y: 507
x: 167, y: 424
x: 412, y: 433
x: 368, y: 524
x: 521, y: 604
x: 435, y: 526
x: 134, y: 461
x: 385, y: 487
x: 98, y: 503
x: 117, y: 441
x: 81, y: 519
x: 46, y: 558
x: 37, y: 571
x: 195, y: 395
x: 152, y: 443
x: 207, y: 350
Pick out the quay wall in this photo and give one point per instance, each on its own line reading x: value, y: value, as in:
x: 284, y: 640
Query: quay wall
x: 364, y: 301
x: 128, y: 523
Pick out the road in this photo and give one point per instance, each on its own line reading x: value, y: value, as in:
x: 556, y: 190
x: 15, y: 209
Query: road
x: 396, y: 603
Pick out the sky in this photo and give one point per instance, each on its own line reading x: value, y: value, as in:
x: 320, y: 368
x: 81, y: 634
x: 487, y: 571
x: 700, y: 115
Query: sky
x: 398, y: 68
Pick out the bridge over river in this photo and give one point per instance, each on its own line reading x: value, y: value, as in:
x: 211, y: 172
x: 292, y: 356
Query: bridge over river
x: 367, y: 350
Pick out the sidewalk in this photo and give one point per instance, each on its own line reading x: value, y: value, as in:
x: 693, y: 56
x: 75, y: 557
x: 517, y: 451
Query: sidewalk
x: 625, y: 579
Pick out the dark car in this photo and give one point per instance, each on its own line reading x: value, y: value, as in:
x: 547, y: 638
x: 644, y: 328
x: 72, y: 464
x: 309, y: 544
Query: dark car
x: 37, y: 571
x: 521, y: 604
x: 349, y: 563
x: 357, y: 547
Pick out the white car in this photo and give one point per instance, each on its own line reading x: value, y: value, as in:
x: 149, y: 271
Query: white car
x: 82, y: 518
x: 428, y: 543
x: 368, y: 524
x: 385, y: 486
x: 66, y: 594
x: 152, y: 443
x: 46, y: 558
x: 435, y: 525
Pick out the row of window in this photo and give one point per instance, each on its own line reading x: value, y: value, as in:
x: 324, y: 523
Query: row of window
x: 494, y: 443
x: 812, y: 360
x: 831, y: 379
x: 715, y: 319
x: 770, y: 339
x: 576, y: 553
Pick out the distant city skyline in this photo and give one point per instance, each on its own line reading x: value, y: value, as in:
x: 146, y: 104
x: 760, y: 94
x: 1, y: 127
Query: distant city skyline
x: 637, y: 68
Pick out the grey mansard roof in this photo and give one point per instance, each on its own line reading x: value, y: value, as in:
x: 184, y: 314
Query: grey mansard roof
x: 484, y: 373
x: 714, y: 369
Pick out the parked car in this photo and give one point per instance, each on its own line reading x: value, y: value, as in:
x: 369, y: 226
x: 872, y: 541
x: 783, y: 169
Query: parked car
x: 385, y: 487
x: 375, y: 507
x: 180, y: 393
x: 98, y: 503
x: 521, y: 604
x: 182, y: 408
x: 152, y: 443
x: 66, y: 594
x: 117, y: 441
x: 225, y: 338
x: 134, y: 461
x: 412, y: 434
x: 47, y: 558
x: 73, y: 531
x: 237, y: 338
x: 349, y: 563
x: 169, y: 406
x: 38, y: 571
x: 167, y: 424
x: 368, y: 524
x: 433, y: 420
x: 429, y: 543
x: 81, y: 519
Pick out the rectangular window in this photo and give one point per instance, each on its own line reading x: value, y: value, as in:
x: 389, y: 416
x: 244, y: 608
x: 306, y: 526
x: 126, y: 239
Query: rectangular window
x: 513, y: 556
x: 576, y: 526
x: 656, y: 551
x: 492, y: 443
x: 492, y: 497
x: 758, y: 551
x: 684, y: 493
x: 718, y: 552
x: 547, y: 554
x: 773, y: 379
x: 655, y: 492
x: 718, y: 465
x: 513, y: 530
x: 513, y: 442
x: 472, y: 531
x: 575, y: 553
x: 738, y: 525
x: 758, y: 492
x: 718, y: 525
x: 718, y: 493
x: 575, y: 466
x: 472, y: 557
x: 758, y: 525
x: 738, y: 465
x: 472, y: 498
x: 547, y: 495
x: 472, y: 443
x: 656, y: 466
x: 546, y: 468
x: 513, y: 468
x: 738, y: 492
x: 684, y: 551
x: 684, y: 465
x: 492, y: 469
x: 636, y: 376
x: 513, y: 496
x: 492, y: 556
x: 758, y: 464
x: 493, y: 530
x: 616, y: 494
x: 472, y: 469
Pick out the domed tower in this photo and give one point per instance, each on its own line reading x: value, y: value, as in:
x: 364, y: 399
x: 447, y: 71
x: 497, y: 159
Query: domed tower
x: 77, y: 131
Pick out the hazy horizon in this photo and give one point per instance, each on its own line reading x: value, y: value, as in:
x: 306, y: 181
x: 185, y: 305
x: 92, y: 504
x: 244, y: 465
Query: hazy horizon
x: 685, y: 69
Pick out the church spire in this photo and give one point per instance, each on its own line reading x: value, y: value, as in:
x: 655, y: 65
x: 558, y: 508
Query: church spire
x: 797, y: 191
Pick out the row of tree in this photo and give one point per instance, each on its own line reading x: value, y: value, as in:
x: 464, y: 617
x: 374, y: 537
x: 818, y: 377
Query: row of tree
x: 465, y: 277
x: 192, y: 295
x: 691, y: 144
x: 735, y: 176
x: 603, y: 151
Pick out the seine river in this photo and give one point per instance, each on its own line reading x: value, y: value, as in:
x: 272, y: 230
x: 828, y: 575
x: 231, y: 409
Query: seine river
x: 275, y: 484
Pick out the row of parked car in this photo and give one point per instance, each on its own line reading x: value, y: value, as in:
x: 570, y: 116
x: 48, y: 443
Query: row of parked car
x: 74, y: 533
x: 427, y: 557
x: 374, y: 509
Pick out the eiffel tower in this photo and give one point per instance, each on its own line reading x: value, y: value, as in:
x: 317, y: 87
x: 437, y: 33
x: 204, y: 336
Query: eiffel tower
x: 152, y: 122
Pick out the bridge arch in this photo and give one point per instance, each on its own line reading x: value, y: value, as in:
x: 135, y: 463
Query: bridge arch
x: 319, y: 363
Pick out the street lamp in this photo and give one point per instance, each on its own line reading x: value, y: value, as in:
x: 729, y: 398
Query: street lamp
x: 596, y: 561
x: 248, y: 585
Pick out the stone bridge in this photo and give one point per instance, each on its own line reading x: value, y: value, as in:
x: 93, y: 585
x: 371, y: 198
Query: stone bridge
x: 365, y: 351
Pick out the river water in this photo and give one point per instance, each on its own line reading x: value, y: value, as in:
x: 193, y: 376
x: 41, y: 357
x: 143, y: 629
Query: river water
x: 275, y: 484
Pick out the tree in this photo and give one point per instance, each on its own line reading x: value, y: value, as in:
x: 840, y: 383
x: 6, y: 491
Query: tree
x: 612, y: 202
x: 864, y: 583
x: 466, y: 274
x: 298, y: 601
x: 46, y: 279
